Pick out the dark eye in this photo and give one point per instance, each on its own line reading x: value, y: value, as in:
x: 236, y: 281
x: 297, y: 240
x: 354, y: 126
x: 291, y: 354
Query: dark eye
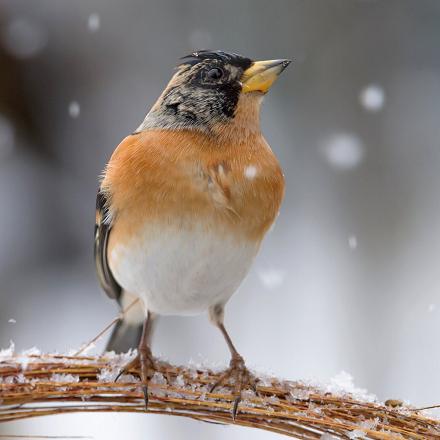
x: 215, y: 73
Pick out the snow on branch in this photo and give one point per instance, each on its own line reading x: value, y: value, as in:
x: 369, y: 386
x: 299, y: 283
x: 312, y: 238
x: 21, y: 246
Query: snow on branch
x: 34, y: 384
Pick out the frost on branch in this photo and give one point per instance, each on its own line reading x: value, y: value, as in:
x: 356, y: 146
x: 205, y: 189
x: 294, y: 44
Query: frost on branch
x: 304, y: 410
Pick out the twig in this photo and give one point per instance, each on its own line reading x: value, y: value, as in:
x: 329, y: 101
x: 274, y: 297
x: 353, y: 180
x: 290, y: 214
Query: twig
x: 55, y: 384
x: 107, y: 327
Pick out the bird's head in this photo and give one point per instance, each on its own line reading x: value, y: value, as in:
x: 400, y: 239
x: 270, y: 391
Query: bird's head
x: 211, y: 90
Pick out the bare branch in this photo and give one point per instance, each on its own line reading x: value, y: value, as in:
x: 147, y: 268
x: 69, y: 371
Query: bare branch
x: 42, y: 385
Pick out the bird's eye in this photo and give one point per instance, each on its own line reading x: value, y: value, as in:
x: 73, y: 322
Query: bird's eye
x: 215, y: 74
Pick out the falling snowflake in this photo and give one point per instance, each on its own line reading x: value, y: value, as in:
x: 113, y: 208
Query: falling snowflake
x: 344, y: 151
x: 372, y: 98
x: 94, y: 22
x: 431, y: 307
x: 352, y: 242
x: 272, y: 278
x: 74, y: 109
x: 12, y: 321
x: 24, y: 38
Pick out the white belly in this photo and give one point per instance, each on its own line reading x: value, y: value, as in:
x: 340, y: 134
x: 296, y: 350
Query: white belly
x: 182, y: 272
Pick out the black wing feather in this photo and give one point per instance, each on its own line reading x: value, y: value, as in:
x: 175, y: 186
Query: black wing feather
x: 102, y: 234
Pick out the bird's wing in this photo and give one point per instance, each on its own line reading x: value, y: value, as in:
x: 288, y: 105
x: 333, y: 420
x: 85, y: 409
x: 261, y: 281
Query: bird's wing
x: 102, y: 233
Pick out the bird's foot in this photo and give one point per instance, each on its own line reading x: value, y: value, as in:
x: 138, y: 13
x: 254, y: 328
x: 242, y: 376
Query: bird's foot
x: 241, y: 378
x: 144, y: 365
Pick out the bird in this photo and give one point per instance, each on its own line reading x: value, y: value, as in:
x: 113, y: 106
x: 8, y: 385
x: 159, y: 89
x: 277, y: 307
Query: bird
x: 184, y: 204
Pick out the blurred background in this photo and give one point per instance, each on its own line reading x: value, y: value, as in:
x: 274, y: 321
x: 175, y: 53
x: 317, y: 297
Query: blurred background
x: 349, y: 278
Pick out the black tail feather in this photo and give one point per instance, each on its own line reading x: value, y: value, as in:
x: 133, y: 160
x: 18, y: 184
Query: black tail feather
x: 124, y: 337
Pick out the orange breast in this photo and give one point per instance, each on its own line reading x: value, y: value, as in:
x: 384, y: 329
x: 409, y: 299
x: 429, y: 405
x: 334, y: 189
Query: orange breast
x: 175, y: 178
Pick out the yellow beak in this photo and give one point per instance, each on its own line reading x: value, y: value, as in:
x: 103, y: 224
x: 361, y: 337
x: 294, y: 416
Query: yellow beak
x: 262, y: 74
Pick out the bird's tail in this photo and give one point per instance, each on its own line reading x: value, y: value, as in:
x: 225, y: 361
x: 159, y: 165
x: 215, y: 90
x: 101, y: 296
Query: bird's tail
x: 124, y: 336
x: 128, y: 330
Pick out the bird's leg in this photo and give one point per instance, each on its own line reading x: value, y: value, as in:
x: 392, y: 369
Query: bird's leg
x: 237, y: 371
x: 144, y: 358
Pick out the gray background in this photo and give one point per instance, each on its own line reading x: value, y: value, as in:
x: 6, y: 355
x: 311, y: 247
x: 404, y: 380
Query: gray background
x: 348, y: 279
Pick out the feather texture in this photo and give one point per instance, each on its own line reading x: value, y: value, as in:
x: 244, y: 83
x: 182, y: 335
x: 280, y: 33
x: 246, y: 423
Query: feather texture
x: 102, y: 234
x: 187, y: 215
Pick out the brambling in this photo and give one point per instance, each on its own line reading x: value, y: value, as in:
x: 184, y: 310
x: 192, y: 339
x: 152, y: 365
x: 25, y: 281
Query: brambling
x: 186, y: 200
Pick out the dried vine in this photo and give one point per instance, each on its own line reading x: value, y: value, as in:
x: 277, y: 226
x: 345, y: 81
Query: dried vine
x: 39, y: 385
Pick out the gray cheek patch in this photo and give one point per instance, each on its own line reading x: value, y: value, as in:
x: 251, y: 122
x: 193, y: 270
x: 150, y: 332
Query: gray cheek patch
x: 190, y: 108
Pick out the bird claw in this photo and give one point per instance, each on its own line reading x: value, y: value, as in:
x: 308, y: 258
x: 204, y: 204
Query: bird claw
x: 145, y: 392
x: 132, y: 365
x: 145, y: 363
x: 235, y: 408
x: 242, y: 378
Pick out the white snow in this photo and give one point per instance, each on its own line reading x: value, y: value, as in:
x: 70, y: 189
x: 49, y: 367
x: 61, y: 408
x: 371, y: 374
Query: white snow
x: 340, y: 385
x: 67, y: 378
x: 250, y: 172
x: 74, y: 109
x: 343, y: 383
x: 107, y: 375
x: 372, y: 98
x: 24, y: 357
x: 121, y: 359
x: 370, y: 423
x: 158, y: 379
x: 352, y: 242
x: 20, y: 378
x: 299, y: 394
x: 12, y: 321
x: 431, y: 307
x: 272, y: 278
x: 94, y: 22
x: 6, y: 353
x: 24, y: 38
x: 356, y: 434
x: 180, y: 382
x: 343, y: 151
x: 33, y: 351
